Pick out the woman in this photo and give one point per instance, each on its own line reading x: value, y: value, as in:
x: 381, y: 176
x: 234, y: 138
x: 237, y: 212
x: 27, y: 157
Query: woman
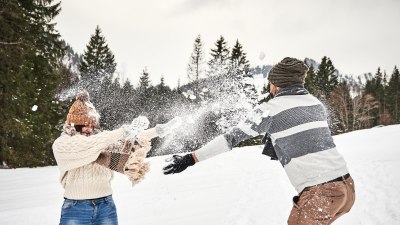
x: 87, y: 159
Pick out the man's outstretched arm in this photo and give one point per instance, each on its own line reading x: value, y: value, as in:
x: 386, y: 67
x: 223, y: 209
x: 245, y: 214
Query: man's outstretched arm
x: 256, y: 124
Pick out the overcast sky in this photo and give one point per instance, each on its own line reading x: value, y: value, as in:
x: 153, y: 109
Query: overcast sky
x: 358, y: 35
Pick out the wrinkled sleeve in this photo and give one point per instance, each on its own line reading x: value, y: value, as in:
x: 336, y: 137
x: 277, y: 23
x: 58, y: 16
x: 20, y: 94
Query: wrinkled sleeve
x: 257, y: 123
x: 75, y: 151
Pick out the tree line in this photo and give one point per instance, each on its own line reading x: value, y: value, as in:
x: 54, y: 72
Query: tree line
x: 40, y: 75
x: 371, y: 101
x: 218, y: 81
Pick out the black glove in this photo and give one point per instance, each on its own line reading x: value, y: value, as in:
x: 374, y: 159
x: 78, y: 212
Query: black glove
x: 179, y: 164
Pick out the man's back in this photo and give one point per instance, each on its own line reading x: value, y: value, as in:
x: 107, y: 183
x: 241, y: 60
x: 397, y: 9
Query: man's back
x: 301, y: 138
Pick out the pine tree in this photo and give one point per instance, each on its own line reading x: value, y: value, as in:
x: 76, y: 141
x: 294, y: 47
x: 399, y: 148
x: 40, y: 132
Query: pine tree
x: 97, y: 62
x: 128, y: 100
x: 30, y: 51
x: 374, y: 86
x: 310, y: 82
x: 327, y: 78
x: 13, y: 30
x: 393, y: 95
x: 104, y: 102
x: 162, y: 92
x: 379, y: 93
x: 240, y: 68
x: 97, y: 69
x: 228, y: 87
x: 195, y: 66
x: 386, y: 118
x: 239, y: 62
x: 127, y: 88
x: 163, y: 100
x: 69, y: 71
x: 218, y: 65
x: 144, y: 81
x: 118, y: 106
x: 178, y: 86
x: 162, y: 87
x: 145, y: 93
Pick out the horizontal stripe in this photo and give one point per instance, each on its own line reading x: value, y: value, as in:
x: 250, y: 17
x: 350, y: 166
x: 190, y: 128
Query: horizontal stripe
x: 297, y: 116
x: 235, y: 136
x: 300, y: 128
x: 262, y: 127
x: 246, y: 128
x: 315, y: 168
x: 282, y: 103
x: 302, y: 143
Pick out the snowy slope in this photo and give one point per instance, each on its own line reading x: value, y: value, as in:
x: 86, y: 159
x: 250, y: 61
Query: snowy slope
x: 241, y: 187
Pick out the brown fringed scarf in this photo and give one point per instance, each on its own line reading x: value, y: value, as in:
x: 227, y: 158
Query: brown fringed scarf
x: 126, y: 158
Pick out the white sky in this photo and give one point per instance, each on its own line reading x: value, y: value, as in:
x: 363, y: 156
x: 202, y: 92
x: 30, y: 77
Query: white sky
x: 358, y: 35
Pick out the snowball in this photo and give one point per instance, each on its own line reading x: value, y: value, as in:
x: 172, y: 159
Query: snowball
x: 34, y: 108
x: 262, y: 55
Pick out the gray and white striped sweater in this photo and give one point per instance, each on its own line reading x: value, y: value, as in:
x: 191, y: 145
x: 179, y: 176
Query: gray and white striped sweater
x: 297, y: 124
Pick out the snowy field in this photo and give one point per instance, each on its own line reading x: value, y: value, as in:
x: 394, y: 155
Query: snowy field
x: 241, y: 187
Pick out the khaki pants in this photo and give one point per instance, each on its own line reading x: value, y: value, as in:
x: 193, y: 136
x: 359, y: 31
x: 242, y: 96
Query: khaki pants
x: 322, y: 204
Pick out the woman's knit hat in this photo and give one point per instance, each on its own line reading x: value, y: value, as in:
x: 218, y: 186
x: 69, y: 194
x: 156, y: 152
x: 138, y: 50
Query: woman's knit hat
x: 288, y: 72
x: 82, y: 112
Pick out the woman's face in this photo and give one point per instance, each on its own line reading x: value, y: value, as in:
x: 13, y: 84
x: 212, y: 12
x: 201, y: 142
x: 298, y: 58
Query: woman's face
x: 87, y: 130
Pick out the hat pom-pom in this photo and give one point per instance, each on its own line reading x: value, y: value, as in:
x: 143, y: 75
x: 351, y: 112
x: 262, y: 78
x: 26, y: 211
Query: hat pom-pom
x: 83, y: 96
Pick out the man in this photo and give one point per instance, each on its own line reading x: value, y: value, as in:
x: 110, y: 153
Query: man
x: 297, y: 124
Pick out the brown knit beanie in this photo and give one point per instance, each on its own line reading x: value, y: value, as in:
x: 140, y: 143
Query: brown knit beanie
x: 288, y: 72
x: 80, y: 113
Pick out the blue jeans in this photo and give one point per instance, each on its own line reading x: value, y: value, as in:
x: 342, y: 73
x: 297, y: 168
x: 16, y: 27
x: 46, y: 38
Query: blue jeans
x: 100, y: 211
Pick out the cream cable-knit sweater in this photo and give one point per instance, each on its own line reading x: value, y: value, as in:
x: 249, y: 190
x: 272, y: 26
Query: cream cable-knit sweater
x: 75, y: 156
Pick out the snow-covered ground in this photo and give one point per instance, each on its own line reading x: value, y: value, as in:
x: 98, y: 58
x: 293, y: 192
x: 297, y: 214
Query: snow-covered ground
x: 241, y: 187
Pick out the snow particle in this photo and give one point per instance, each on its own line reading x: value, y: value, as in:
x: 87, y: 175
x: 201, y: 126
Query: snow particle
x: 262, y: 55
x: 34, y: 108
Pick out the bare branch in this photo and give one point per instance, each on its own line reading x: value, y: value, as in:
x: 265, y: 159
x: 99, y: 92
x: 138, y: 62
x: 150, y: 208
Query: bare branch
x: 10, y: 43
